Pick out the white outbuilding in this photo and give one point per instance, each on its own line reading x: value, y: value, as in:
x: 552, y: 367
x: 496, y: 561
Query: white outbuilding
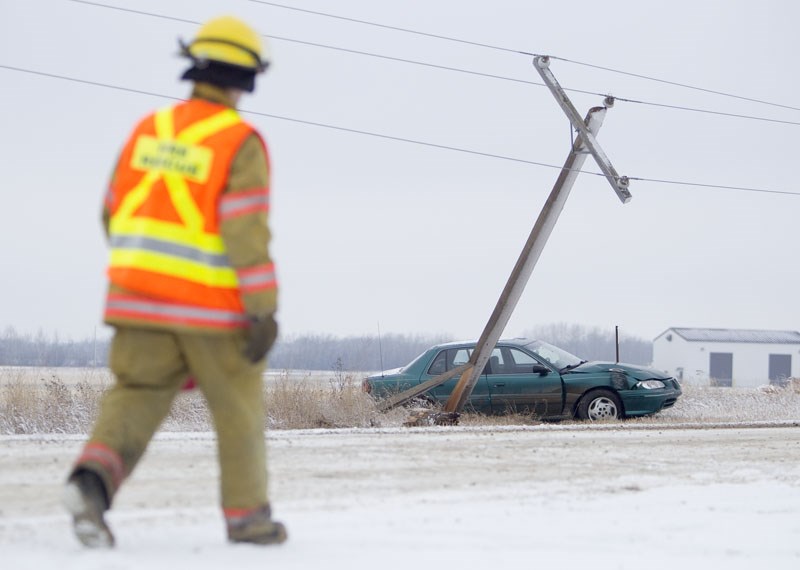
x: 728, y: 357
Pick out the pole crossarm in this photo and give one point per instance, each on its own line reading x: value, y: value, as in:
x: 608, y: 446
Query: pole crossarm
x: 618, y: 183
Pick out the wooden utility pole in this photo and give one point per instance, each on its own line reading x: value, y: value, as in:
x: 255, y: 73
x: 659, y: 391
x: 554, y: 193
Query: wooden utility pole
x: 586, y: 142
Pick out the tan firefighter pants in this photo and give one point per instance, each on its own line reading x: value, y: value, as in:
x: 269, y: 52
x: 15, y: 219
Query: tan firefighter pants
x: 151, y: 366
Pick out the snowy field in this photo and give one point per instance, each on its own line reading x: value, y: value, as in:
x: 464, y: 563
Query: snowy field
x: 612, y: 496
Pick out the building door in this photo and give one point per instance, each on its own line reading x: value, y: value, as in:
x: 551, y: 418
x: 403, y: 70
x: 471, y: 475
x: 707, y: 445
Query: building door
x: 780, y: 368
x: 720, y: 368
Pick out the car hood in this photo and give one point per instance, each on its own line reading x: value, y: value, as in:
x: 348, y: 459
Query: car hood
x: 391, y: 372
x: 632, y: 370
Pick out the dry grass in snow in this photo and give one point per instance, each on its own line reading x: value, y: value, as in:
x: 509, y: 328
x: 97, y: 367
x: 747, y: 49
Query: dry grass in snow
x: 56, y: 400
x: 53, y: 400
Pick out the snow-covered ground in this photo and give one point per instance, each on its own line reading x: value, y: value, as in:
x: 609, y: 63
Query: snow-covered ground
x: 597, y: 496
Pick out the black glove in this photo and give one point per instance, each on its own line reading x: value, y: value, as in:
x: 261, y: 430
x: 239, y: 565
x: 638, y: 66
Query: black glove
x: 260, y: 337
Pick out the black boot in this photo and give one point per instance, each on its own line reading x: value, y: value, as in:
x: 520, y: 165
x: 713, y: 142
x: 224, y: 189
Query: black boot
x: 86, y: 499
x: 256, y: 527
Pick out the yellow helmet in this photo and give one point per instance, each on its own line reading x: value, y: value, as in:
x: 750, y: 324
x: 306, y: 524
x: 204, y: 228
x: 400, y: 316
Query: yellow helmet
x: 230, y: 41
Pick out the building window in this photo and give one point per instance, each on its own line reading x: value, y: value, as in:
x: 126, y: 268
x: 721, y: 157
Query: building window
x: 720, y: 368
x: 780, y: 368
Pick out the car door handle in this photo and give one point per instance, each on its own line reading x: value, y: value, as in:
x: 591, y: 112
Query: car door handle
x: 499, y: 385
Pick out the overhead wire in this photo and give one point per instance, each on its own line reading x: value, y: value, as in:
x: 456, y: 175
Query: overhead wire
x: 325, y: 46
x: 444, y: 67
x: 510, y: 50
x: 88, y: 82
x: 715, y: 186
x: 391, y: 137
x: 389, y: 27
x: 706, y: 111
x: 294, y: 119
x: 677, y: 84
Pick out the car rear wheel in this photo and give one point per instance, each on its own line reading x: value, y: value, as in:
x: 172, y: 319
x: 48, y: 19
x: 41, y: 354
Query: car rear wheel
x: 600, y: 405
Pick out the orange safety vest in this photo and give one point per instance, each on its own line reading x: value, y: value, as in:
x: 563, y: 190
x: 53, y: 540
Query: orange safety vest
x: 166, y: 250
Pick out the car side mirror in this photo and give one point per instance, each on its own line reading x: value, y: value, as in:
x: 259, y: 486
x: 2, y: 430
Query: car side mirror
x: 540, y: 369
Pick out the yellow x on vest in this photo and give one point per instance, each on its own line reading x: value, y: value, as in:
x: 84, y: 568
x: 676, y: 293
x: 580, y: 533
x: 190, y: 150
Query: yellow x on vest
x: 173, y: 158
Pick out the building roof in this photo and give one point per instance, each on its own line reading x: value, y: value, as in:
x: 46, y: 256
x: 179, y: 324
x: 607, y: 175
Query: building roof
x: 738, y: 335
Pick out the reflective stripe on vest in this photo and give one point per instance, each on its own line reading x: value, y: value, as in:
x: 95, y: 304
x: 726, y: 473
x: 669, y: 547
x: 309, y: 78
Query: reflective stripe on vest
x: 257, y: 278
x: 241, y: 203
x: 149, y: 310
x: 184, y: 249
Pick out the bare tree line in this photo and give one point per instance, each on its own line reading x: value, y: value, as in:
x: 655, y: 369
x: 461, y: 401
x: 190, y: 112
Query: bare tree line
x: 326, y: 352
x: 18, y: 349
x: 594, y: 343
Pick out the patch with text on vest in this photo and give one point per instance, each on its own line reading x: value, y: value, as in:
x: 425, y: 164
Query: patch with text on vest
x: 172, y: 157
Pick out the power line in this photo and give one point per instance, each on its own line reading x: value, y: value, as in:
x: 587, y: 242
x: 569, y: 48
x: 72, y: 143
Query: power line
x: 715, y: 186
x: 295, y: 120
x: 446, y: 68
x: 505, y: 49
x: 325, y: 46
x: 87, y: 82
x: 392, y: 137
x: 705, y: 111
x: 395, y: 28
x: 132, y: 11
x: 677, y: 84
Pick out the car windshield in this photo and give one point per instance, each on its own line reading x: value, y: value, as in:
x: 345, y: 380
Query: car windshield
x: 413, y: 362
x: 558, y: 357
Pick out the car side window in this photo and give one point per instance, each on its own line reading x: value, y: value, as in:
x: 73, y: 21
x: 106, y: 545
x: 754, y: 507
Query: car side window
x: 519, y: 362
x: 496, y: 362
x: 439, y: 365
x: 449, y: 359
x: 460, y: 356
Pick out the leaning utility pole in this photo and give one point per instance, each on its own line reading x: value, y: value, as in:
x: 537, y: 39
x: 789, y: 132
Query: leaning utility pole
x: 586, y: 142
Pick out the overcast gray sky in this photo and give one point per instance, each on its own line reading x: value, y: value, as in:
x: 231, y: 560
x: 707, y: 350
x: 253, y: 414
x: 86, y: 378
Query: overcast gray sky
x: 370, y: 232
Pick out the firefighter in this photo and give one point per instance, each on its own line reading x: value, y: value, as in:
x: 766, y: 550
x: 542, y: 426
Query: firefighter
x: 192, y: 290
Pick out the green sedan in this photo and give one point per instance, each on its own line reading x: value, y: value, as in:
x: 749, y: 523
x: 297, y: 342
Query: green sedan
x: 531, y: 376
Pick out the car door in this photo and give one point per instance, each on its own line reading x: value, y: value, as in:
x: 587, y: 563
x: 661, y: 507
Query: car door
x: 451, y: 358
x: 515, y: 387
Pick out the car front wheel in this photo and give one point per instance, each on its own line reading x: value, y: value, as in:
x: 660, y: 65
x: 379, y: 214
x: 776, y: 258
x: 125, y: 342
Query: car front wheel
x: 600, y: 405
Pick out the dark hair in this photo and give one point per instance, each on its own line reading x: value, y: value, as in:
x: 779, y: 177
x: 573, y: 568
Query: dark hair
x: 222, y: 75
